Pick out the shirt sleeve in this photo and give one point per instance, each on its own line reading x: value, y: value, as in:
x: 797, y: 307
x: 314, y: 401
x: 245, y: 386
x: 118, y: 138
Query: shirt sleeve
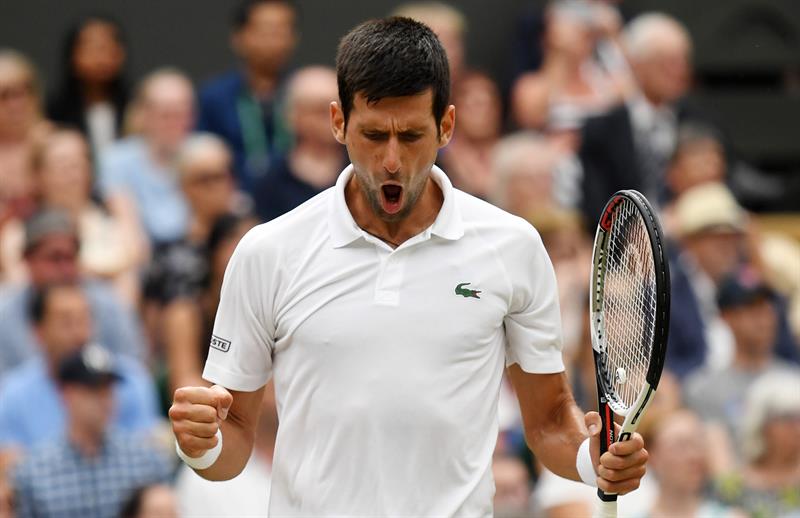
x: 240, y: 353
x: 533, y: 322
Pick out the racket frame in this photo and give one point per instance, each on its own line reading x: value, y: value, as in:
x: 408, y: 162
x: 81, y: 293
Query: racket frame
x: 607, y: 406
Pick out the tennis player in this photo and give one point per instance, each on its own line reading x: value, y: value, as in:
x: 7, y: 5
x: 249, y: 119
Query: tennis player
x: 386, y: 309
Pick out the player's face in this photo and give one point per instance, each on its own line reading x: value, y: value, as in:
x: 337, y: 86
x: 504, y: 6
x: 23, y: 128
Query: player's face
x: 392, y: 144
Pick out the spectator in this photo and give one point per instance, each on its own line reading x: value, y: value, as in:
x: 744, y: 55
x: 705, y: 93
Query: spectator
x: 523, y: 170
x: 137, y: 178
x: 467, y: 158
x: 31, y: 411
x: 630, y: 146
x: 154, y: 501
x: 248, y: 493
x: 746, y: 306
x: 20, y: 123
x: 679, y: 459
x: 243, y: 106
x: 571, y: 85
x: 450, y: 26
x: 315, y: 159
x: 63, y: 172
x: 512, y: 487
x: 88, y: 471
x: 51, y: 256
x: 769, y: 484
x: 93, y: 94
x: 178, y: 268
x: 714, y: 240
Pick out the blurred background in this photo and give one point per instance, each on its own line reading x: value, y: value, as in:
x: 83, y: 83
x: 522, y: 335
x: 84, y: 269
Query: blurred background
x: 140, y: 141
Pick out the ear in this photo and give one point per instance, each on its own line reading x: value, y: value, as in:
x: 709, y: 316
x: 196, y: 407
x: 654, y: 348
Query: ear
x: 337, y: 122
x: 447, y: 126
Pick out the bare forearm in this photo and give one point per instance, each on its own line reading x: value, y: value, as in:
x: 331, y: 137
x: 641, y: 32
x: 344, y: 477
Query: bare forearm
x: 556, y: 446
x: 554, y: 425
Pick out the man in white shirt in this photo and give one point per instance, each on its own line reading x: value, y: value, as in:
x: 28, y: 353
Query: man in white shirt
x: 386, y: 308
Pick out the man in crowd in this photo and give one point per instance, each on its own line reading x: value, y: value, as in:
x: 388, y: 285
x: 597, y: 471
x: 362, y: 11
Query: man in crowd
x: 630, y: 146
x: 315, y: 158
x: 31, y: 411
x: 746, y: 306
x: 51, y: 256
x: 87, y: 471
x: 243, y: 106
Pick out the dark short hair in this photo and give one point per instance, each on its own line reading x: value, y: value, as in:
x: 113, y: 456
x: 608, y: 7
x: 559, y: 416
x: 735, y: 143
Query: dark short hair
x: 392, y: 57
x: 243, y: 11
x: 37, y: 305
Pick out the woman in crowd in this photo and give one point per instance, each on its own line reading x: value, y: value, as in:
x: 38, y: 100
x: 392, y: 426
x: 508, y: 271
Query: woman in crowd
x: 21, y: 123
x: 570, y: 85
x: 679, y: 458
x: 92, y: 94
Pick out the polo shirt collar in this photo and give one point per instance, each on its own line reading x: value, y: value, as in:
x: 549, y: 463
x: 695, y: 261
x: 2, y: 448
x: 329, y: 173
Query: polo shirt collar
x: 344, y: 230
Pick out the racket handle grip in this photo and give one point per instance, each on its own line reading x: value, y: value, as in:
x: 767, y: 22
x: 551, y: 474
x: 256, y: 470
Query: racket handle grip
x: 608, y: 509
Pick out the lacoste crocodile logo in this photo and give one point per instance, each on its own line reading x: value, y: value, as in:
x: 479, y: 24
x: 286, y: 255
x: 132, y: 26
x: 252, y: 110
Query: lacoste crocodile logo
x: 464, y: 292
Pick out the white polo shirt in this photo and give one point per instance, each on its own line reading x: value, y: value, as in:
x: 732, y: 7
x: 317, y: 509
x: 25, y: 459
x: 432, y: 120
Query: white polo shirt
x: 387, y: 363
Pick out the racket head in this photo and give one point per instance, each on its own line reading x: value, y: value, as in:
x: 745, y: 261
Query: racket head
x: 629, y: 300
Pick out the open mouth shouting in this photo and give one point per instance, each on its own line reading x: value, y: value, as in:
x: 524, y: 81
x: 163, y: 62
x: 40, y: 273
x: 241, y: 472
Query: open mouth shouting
x: 391, y: 198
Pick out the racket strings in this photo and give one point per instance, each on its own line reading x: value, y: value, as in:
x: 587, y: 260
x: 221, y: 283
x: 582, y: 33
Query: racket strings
x: 629, y: 306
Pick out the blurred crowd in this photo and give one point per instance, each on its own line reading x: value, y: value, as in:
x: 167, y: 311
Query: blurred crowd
x: 120, y: 205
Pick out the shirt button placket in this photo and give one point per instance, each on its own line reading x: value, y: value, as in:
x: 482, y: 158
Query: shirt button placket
x: 390, y: 276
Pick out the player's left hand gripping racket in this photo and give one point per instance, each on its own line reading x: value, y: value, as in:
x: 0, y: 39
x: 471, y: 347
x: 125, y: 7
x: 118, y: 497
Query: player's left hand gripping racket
x: 629, y: 311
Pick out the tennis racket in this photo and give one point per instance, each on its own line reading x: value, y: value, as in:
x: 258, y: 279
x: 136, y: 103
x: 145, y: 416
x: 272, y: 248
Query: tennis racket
x: 629, y: 311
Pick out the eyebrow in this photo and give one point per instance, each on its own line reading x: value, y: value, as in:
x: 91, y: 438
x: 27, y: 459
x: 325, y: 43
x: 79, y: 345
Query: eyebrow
x: 382, y: 130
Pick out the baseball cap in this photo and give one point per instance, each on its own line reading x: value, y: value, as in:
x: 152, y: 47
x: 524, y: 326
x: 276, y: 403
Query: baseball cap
x: 92, y: 366
x: 708, y: 207
x: 47, y: 222
x: 742, y: 288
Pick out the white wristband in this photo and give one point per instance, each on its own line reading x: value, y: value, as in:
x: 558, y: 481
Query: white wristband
x: 205, y: 460
x: 584, y: 465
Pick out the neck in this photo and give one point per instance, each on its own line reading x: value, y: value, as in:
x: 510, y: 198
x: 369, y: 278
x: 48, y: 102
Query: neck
x: 161, y: 154
x: 94, y: 93
x: 87, y: 441
x: 422, y: 215
x: 261, y: 83
x: 654, y: 101
x: 749, y: 361
x: 316, y: 163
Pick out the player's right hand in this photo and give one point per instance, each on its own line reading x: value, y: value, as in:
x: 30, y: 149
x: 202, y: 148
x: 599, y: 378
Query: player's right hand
x: 195, y: 414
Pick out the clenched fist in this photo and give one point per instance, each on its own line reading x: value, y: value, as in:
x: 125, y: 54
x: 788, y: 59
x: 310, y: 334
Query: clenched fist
x: 195, y: 414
